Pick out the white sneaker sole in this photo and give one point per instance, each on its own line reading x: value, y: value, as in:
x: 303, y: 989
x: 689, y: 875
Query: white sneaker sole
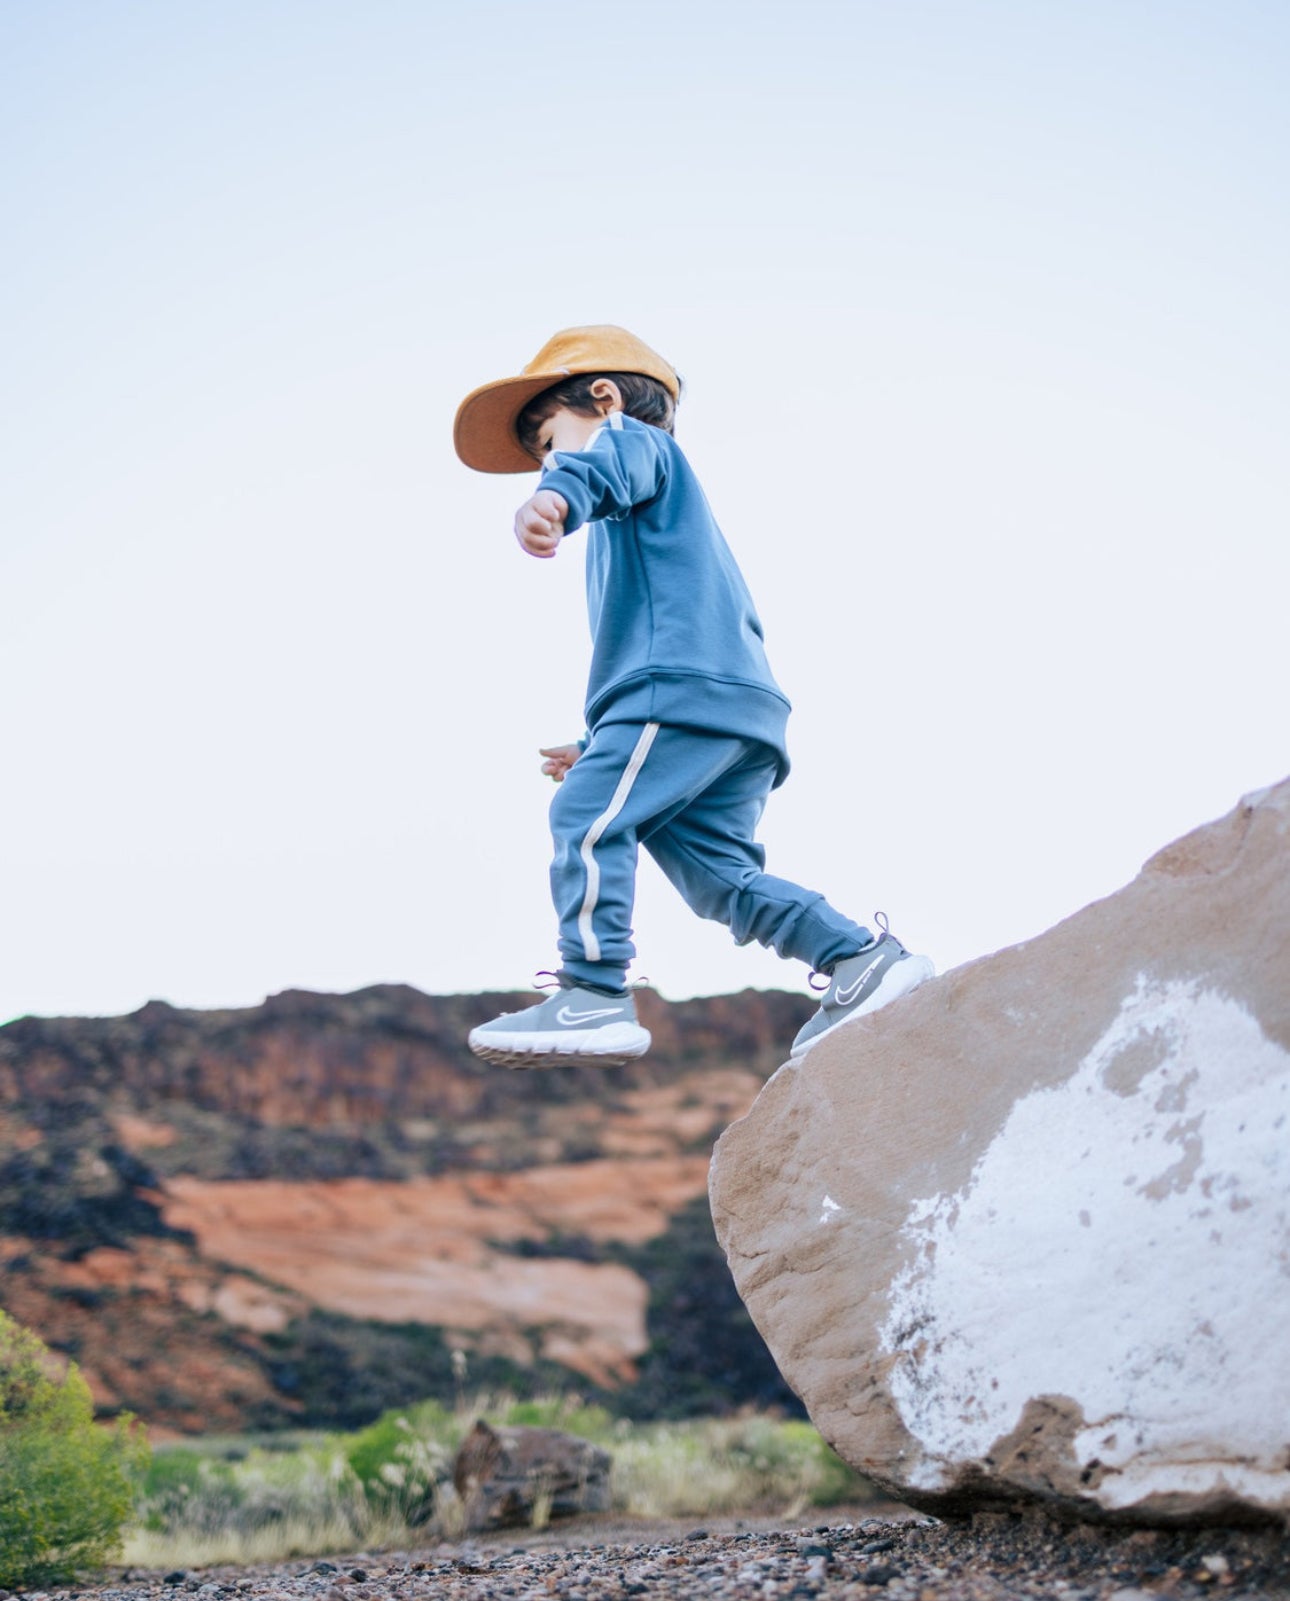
x: 899, y: 979
x: 614, y: 1045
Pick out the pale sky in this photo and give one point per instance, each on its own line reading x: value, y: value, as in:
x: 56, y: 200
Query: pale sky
x: 981, y: 308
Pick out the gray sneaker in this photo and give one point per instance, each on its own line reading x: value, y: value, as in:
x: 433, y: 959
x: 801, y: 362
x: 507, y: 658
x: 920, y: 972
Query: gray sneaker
x: 574, y: 1026
x: 880, y: 973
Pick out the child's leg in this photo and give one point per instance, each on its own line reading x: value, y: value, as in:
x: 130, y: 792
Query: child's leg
x: 629, y: 782
x: 707, y: 850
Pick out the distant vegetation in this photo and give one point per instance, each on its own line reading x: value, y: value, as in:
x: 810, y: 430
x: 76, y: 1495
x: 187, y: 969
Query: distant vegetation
x: 71, y: 1489
x: 244, y: 1500
x: 67, y: 1485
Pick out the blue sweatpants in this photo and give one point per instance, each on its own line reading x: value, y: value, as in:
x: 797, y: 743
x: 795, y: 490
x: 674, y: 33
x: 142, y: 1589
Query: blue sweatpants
x: 694, y: 801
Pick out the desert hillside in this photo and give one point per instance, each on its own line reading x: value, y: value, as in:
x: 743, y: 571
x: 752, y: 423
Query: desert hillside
x: 304, y: 1211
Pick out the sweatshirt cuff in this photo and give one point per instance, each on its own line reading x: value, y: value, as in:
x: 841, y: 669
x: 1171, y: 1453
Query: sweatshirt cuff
x: 572, y: 492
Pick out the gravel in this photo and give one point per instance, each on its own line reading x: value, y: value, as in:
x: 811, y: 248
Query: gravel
x: 899, y: 1556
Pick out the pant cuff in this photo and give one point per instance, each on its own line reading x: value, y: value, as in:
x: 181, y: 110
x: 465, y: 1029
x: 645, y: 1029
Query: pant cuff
x: 596, y: 976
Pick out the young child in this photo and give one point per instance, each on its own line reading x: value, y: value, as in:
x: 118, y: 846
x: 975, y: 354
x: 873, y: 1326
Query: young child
x: 685, y: 722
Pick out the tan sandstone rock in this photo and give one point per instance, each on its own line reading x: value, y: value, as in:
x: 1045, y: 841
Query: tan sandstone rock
x: 427, y: 1250
x: 1025, y: 1236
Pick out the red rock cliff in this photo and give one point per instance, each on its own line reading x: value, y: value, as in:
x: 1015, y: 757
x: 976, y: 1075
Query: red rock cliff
x: 302, y: 1209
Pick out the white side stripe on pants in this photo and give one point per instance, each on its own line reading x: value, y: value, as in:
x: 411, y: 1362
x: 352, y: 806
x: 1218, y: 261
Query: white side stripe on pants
x: 590, y: 944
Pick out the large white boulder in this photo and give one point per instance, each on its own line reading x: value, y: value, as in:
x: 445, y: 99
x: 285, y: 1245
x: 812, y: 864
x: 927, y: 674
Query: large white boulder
x: 1025, y: 1236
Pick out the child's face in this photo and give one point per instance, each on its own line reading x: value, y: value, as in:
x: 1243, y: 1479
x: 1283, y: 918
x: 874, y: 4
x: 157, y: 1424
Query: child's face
x: 565, y: 430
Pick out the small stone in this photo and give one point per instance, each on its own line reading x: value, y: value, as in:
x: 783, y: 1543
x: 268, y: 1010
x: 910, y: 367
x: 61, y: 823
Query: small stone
x: 176, y: 1577
x: 809, y: 1546
x: 876, y: 1575
x: 873, y: 1547
x: 1217, y: 1566
x: 323, y: 1567
x: 358, y: 1574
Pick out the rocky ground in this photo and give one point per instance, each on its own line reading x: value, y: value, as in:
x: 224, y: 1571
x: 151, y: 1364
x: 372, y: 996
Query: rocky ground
x: 996, y: 1557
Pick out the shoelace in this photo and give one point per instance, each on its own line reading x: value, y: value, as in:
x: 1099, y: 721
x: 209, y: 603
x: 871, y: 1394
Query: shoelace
x: 553, y: 981
x: 881, y: 919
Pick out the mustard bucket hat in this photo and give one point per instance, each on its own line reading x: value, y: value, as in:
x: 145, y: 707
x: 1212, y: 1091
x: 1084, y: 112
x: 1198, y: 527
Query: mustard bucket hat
x: 484, y: 431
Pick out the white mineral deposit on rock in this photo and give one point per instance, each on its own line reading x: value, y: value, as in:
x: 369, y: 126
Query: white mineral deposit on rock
x: 1011, y: 1295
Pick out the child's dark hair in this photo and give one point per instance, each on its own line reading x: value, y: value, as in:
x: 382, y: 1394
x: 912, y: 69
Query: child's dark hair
x: 643, y: 398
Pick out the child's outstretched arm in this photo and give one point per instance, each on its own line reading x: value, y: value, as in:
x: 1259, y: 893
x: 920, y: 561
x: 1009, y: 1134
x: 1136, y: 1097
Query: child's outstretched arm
x: 621, y: 468
x: 539, y: 523
x: 559, y: 759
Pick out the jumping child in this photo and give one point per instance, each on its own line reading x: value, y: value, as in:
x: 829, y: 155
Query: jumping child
x: 685, y: 724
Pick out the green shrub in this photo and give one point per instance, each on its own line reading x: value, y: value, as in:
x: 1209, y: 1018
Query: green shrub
x: 251, y: 1504
x: 183, y: 1487
x: 829, y: 1480
x: 403, y: 1458
x: 592, y: 1423
x: 66, y: 1485
x: 722, y: 1465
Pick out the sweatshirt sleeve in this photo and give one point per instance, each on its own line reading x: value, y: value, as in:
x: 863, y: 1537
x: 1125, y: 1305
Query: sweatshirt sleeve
x: 621, y: 468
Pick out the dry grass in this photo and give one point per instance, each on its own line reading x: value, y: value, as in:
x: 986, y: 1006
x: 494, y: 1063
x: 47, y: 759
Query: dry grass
x: 304, y: 1536
x: 390, y: 1486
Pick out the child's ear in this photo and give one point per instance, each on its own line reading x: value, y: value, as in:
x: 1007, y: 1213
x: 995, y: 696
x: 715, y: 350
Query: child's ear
x: 607, y: 396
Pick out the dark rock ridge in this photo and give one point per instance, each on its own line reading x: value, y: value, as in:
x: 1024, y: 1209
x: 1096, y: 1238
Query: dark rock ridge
x: 350, y: 1062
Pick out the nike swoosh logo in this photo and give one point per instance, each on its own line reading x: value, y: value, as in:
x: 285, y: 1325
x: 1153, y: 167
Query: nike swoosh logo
x: 846, y: 996
x: 569, y: 1017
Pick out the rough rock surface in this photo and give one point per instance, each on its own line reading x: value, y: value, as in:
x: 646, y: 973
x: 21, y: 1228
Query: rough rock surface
x: 1026, y: 1235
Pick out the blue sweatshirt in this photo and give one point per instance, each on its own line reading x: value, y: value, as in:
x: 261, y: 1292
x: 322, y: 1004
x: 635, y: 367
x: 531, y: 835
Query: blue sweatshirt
x: 675, y: 636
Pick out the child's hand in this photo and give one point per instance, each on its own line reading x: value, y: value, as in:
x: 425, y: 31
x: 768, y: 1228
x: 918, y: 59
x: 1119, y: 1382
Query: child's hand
x: 559, y: 759
x: 539, y: 523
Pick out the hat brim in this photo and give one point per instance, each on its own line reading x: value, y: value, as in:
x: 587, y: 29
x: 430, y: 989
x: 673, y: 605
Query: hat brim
x: 484, y: 429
